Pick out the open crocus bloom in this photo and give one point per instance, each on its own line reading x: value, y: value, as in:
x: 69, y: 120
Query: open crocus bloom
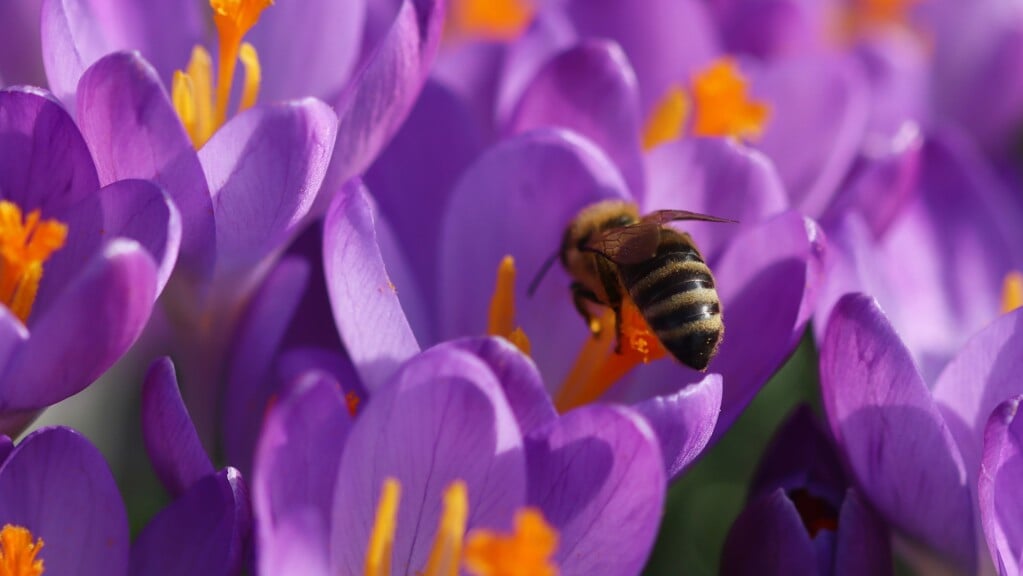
x: 917, y: 452
x: 456, y: 451
x: 802, y: 517
x: 81, y: 265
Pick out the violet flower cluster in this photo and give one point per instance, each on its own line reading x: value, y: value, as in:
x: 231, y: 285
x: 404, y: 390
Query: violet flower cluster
x: 313, y: 237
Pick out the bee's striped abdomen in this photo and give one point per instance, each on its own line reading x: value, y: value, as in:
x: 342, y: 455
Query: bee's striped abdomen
x: 675, y: 292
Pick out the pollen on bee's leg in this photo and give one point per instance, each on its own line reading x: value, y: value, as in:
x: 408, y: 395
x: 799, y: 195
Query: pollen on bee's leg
x: 527, y: 550
x: 501, y: 321
x: 18, y: 552
x: 599, y: 366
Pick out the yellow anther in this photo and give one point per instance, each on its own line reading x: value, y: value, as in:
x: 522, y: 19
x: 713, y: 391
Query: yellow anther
x: 722, y: 103
x: 18, y: 552
x: 381, y: 540
x: 1012, y: 291
x: 253, y: 76
x: 491, y: 19
x: 526, y: 552
x: 599, y: 366
x: 192, y: 95
x: 667, y: 120
x: 446, y: 555
x: 502, y: 307
x: 24, y: 246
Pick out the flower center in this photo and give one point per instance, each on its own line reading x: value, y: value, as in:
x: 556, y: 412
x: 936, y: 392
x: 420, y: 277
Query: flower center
x: 526, y: 552
x: 1012, y: 291
x: 502, y: 307
x: 25, y: 244
x: 202, y: 103
x: 720, y: 104
x: 18, y: 552
x: 599, y: 365
x: 489, y: 19
x: 817, y: 514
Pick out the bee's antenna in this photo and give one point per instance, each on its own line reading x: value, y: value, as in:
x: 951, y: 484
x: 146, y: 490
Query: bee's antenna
x: 539, y: 275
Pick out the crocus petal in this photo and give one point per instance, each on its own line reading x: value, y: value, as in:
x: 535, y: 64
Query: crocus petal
x: 173, y: 445
x: 893, y: 436
x: 264, y: 168
x: 896, y: 66
x: 83, y: 333
x: 998, y: 487
x: 442, y: 419
x: 77, y: 33
x: 296, y: 469
x: 139, y: 210
x: 769, y: 29
x: 684, y: 421
x: 365, y: 302
x: 863, y: 545
x: 494, y: 212
x: 260, y: 332
x: 598, y: 476
x: 800, y: 455
x: 207, y: 525
x: 12, y: 335
x: 21, y: 58
x: 591, y: 89
x: 768, y: 538
x: 307, y: 48
x: 44, y: 162
x: 56, y: 484
x: 715, y: 176
x: 666, y: 41
x: 6, y: 446
x: 818, y: 114
x: 381, y: 94
x: 985, y: 372
x: 414, y: 176
x: 133, y: 132
x: 520, y: 380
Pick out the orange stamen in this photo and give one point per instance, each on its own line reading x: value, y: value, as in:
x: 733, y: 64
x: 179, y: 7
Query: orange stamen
x: 598, y: 366
x: 490, y: 19
x: 502, y: 307
x: 18, y: 552
x: 352, y: 402
x: 24, y: 246
x: 525, y: 552
x: 722, y: 103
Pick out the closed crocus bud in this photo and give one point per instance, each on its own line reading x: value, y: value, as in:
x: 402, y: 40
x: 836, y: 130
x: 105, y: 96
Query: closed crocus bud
x: 802, y: 516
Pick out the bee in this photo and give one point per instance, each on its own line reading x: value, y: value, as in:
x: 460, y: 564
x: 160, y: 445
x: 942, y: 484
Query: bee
x: 611, y: 252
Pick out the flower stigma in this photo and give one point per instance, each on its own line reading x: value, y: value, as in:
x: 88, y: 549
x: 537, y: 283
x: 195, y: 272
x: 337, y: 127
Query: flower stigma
x: 502, y: 307
x: 718, y: 103
x: 599, y: 365
x: 25, y: 244
x: 352, y: 402
x: 526, y: 552
x: 1012, y: 291
x: 489, y: 19
x: 859, y: 17
x: 18, y: 552
x: 201, y: 102
x: 816, y: 513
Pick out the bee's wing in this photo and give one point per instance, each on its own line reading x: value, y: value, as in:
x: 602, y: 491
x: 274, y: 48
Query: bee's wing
x: 664, y: 216
x: 630, y: 244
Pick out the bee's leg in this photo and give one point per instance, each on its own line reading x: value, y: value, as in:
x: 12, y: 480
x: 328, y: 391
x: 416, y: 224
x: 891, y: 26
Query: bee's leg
x: 612, y: 287
x: 581, y: 295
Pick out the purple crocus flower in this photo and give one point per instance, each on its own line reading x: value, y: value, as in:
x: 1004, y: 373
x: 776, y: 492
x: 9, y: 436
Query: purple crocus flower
x: 82, y: 265
x: 466, y: 432
x: 59, y: 506
x: 802, y: 517
x: 210, y: 516
x: 998, y: 487
x: 21, y: 57
x: 916, y: 449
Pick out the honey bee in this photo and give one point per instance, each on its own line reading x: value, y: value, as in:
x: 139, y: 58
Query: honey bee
x: 610, y: 252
